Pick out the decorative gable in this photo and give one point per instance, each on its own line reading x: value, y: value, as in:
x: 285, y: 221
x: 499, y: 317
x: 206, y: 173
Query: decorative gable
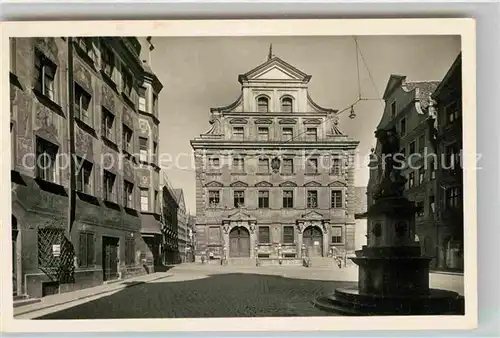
x: 264, y: 184
x: 312, y: 184
x: 337, y: 184
x: 214, y: 184
x: 288, y: 184
x: 240, y: 216
x: 238, y: 184
x: 275, y: 69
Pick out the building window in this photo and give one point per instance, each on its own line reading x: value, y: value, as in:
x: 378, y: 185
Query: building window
x: 311, y: 134
x: 155, y: 104
x: 127, y: 81
x: 451, y: 112
x: 155, y: 151
x: 287, y: 134
x: 83, y: 176
x: 263, y: 166
x: 412, y: 148
x: 263, y: 199
x: 144, y: 199
x: 452, y: 159
x: 213, y: 198
x: 239, y: 199
x: 108, y: 184
x: 336, y: 168
x: 452, y: 197
x: 288, y: 234
x: 263, y: 134
x: 420, y: 211
x: 264, y: 237
x: 128, y: 194
x: 108, y: 60
x: 127, y: 138
x: 239, y: 165
x: 85, y: 44
x: 421, y: 175
x: 421, y: 144
x: 263, y: 104
x: 82, y: 104
x: 288, y: 199
x: 336, y: 235
x: 432, y: 204
x: 312, y: 166
x: 402, y: 126
x: 287, y: 166
x: 433, y: 170
x: 143, y: 149
x: 213, y: 165
x: 12, y: 147
x: 238, y: 133
x: 336, y: 199
x: 156, y: 204
x: 129, y: 251
x: 45, y: 72
x: 86, y: 254
x: 411, y: 180
x: 312, y: 199
x: 107, y: 124
x: 46, y: 154
x: 142, y: 99
x: 393, y: 109
x: 287, y: 105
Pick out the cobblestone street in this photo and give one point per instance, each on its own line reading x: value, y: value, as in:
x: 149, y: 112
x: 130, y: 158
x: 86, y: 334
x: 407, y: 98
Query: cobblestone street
x: 194, y: 290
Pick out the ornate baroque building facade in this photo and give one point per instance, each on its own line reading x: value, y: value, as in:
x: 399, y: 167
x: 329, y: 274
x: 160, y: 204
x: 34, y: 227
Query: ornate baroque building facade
x: 273, y: 178
x: 77, y: 98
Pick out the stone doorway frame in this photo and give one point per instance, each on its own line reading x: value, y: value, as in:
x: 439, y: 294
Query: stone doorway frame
x: 238, y: 219
x: 312, y: 219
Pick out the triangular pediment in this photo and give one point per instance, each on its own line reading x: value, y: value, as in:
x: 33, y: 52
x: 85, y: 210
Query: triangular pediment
x: 337, y: 184
x: 275, y: 69
x: 288, y: 184
x: 239, y: 184
x: 312, y: 215
x: 312, y: 184
x: 214, y: 184
x: 240, y: 216
x: 312, y: 121
x: 264, y: 184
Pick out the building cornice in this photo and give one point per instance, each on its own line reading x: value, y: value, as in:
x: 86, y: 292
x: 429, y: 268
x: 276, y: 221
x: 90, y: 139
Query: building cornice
x: 346, y: 144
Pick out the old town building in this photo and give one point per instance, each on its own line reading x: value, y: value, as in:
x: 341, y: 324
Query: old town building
x: 169, y: 212
x: 75, y: 226
x: 149, y: 170
x: 182, y: 222
x: 273, y: 179
x: 191, y: 243
x: 448, y: 236
x: 410, y: 108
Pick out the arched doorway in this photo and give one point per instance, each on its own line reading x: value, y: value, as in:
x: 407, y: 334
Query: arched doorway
x: 15, y: 232
x: 313, y: 241
x: 239, y: 242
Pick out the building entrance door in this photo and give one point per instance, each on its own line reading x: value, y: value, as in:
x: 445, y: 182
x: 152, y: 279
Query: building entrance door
x: 110, y: 258
x: 239, y: 242
x: 313, y: 240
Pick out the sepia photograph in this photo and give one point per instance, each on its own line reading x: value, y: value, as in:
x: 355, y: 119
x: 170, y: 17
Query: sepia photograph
x: 185, y: 176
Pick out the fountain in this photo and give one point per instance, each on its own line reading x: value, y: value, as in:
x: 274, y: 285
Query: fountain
x: 393, y: 275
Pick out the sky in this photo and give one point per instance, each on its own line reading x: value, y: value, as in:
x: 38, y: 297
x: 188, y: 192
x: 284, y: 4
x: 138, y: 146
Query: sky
x: 199, y: 73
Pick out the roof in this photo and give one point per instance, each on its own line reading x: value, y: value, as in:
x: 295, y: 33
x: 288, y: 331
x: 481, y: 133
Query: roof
x: 455, y: 67
x: 275, y: 61
x: 360, y: 200
x: 178, y: 194
x: 424, y: 89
